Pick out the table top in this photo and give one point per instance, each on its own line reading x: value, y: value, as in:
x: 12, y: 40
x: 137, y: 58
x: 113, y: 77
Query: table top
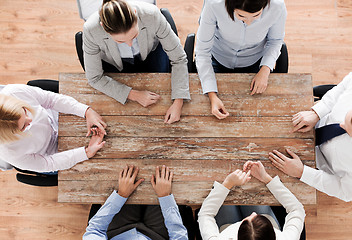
x: 199, y: 149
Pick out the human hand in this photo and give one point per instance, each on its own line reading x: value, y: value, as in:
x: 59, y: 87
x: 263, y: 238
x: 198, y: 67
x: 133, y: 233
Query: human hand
x: 127, y: 180
x: 291, y: 166
x: 95, y: 143
x: 94, y: 119
x: 236, y: 178
x: 304, y: 121
x: 144, y: 98
x: 258, y: 171
x: 260, y: 81
x: 217, y: 107
x: 173, y: 114
x: 161, y: 182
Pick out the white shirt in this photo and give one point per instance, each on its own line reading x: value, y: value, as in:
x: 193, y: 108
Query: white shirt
x: 37, y: 150
x: 333, y: 158
x: 211, y: 205
x: 127, y: 51
x: 235, y: 44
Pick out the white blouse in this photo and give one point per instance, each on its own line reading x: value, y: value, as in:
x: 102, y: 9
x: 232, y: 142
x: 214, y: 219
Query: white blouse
x: 38, y: 150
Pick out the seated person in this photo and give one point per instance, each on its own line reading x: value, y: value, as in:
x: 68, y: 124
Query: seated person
x: 131, y: 37
x: 332, y: 118
x: 115, y: 220
x: 258, y: 225
x: 29, y: 129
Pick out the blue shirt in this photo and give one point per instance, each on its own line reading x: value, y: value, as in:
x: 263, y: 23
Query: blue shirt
x: 235, y: 44
x: 98, y: 225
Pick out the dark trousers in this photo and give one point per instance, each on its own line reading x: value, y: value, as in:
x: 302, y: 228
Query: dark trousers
x: 219, y: 68
x: 156, y: 61
x: 147, y: 219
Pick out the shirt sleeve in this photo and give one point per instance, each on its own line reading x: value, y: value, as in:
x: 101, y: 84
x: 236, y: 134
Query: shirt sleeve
x: 205, y: 41
x: 99, y: 223
x: 328, y: 101
x: 95, y: 74
x: 172, y: 46
x: 173, y: 220
x: 295, y: 212
x: 49, y: 163
x: 332, y: 185
x: 275, y: 39
x: 210, y: 207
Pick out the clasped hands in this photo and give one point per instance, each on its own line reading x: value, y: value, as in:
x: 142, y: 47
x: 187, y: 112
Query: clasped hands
x: 161, y: 181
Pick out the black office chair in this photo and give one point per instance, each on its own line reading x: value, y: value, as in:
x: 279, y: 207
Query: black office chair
x: 320, y: 90
x: 282, y: 62
x: 35, y: 178
x: 188, y: 47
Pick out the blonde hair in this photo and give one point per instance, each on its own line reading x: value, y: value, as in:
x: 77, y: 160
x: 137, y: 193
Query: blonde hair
x: 117, y: 16
x: 10, y: 112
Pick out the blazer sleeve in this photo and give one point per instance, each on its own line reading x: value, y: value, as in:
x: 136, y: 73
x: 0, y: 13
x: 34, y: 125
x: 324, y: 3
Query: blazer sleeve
x: 330, y: 184
x: 295, y: 212
x: 328, y: 101
x: 173, y: 48
x: 205, y: 41
x: 210, y: 207
x: 94, y: 70
x: 275, y: 38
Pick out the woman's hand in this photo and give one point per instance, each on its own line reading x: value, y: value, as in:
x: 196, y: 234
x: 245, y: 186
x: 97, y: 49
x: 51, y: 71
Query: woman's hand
x: 127, y: 180
x: 260, y: 80
x: 173, y: 114
x: 258, y: 171
x: 94, y: 119
x: 236, y: 178
x: 304, y: 121
x: 161, y: 182
x: 144, y: 98
x: 291, y: 166
x: 95, y: 143
x: 217, y: 107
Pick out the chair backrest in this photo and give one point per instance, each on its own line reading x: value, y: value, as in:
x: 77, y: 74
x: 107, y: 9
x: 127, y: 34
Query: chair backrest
x: 320, y: 90
x: 282, y: 61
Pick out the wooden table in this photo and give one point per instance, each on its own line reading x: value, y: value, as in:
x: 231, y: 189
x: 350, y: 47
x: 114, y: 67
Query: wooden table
x: 199, y: 149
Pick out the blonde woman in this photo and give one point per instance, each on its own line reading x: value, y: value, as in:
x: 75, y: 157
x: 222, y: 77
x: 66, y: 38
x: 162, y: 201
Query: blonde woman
x: 131, y: 37
x: 29, y: 129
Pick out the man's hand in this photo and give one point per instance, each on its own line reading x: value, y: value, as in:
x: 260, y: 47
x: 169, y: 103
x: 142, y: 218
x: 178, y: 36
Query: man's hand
x: 95, y: 143
x: 127, y: 180
x: 94, y: 119
x: 258, y: 171
x: 260, y: 80
x: 161, y: 182
x: 291, y: 166
x: 217, y: 107
x: 144, y: 98
x: 304, y: 121
x: 173, y: 114
x: 236, y: 178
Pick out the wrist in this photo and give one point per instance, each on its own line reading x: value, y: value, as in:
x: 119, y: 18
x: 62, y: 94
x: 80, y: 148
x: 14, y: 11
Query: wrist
x: 88, y: 152
x: 265, y: 69
x: 212, y: 95
x: 85, y: 114
x: 267, y: 179
x: 228, y: 185
x: 132, y: 95
x: 178, y: 102
x: 300, y: 173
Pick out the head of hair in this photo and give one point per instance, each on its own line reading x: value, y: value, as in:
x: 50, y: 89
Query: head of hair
x: 11, y: 110
x: 259, y: 228
x: 251, y: 6
x: 117, y: 16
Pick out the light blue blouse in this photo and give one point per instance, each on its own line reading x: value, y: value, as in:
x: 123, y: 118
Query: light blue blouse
x: 235, y: 44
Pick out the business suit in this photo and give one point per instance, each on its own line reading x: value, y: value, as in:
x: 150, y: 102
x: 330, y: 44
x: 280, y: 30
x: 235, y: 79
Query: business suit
x: 153, y: 28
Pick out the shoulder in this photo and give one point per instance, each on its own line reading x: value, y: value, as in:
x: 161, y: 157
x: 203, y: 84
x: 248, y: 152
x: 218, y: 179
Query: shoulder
x: 144, y: 9
x: 93, y: 23
x: 215, y: 4
x: 23, y: 92
x: 277, y: 5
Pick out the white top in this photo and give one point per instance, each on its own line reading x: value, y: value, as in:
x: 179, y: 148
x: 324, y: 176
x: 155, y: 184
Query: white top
x: 37, y: 150
x: 333, y: 158
x: 234, y: 44
x: 293, y: 222
x: 127, y: 51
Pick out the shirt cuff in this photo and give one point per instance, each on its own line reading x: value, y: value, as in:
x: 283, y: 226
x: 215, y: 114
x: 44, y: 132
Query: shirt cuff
x: 320, y: 109
x: 81, y: 110
x: 124, y: 95
x: 268, y: 61
x: 81, y: 154
x: 307, y: 174
x: 220, y: 188
x: 274, y: 182
x: 167, y: 202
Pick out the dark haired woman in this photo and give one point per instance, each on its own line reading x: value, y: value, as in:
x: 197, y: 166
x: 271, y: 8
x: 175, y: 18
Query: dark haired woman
x: 238, y: 36
x: 237, y: 222
x: 129, y: 37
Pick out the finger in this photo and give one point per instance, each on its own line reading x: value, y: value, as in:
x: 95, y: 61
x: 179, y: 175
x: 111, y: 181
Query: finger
x: 218, y: 114
x: 167, y: 175
x: 252, y: 85
x: 225, y: 112
x: 299, y: 126
x: 101, y: 145
x: 88, y: 132
x: 163, y: 170
x: 138, y: 182
x: 130, y: 170
x: 277, y: 165
x: 135, y: 172
x: 157, y: 172
x: 304, y: 129
x: 121, y: 174
x: 281, y: 155
x: 254, y: 90
x: 125, y: 171
x: 152, y: 180
x: 294, y: 155
x: 103, y: 123
x: 101, y: 128
x: 167, y: 117
x: 172, y: 120
x: 171, y: 176
x: 248, y: 175
x: 277, y: 159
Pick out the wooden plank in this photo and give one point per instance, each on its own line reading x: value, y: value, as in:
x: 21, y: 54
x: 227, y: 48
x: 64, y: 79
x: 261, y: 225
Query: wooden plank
x: 189, y: 126
x: 184, y: 170
x: 193, y: 148
x: 249, y: 194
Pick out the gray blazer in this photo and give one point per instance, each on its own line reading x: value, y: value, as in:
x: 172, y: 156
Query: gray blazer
x: 153, y: 27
